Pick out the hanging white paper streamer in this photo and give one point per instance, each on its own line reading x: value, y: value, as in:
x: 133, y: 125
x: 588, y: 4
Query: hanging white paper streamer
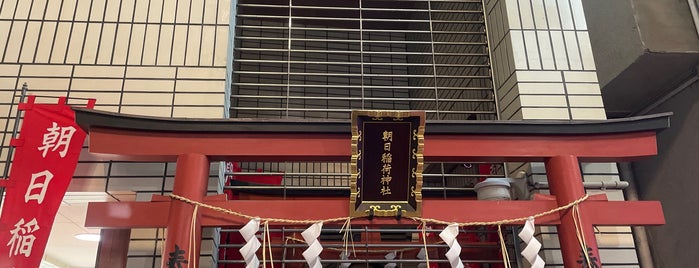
x: 422, y: 255
x: 531, y: 251
x: 344, y: 255
x: 312, y: 253
x: 449, y: 236
x: 252, y: 244
x: 390, y: 256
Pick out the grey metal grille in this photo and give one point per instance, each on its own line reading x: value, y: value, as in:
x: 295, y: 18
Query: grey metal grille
x: 322, y: 59
x: 369, y: 247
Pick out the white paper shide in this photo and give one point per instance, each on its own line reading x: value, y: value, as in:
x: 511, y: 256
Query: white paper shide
x: 449, y: 236
x: 531, y: 251
x: 312, y: 253
x: 251, y: 243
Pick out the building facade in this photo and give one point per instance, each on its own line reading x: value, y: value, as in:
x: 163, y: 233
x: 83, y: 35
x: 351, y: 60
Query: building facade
x: 159, y: 58
x: 455, y: 59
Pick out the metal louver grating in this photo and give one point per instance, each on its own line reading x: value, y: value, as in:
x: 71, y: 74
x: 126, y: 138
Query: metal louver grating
x: 322, y: 59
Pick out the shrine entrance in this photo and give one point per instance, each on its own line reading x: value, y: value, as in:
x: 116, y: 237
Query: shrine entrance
x: 194, y: 144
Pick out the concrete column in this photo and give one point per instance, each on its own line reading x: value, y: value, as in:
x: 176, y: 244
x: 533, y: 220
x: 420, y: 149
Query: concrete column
x: 542, y: 60
x: 543, y: 68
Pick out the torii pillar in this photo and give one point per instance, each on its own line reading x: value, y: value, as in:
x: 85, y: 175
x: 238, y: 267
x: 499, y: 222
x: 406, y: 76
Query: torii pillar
x: 565, y: 179
x: 191, y: 181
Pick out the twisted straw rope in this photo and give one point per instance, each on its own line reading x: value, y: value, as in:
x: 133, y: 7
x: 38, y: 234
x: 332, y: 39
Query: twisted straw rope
x: 424, y: 242
x: 505, y: 221
x: 580, y: 235
x: 423, y: 221
x: 435, y: 221
x: 503, y: 249
x: 227, y: 211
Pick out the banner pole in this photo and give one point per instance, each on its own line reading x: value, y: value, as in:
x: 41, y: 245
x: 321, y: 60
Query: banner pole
x: 15, y: 129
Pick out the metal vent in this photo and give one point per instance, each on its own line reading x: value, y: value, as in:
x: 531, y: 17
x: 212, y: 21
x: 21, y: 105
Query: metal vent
x: 322, y: 59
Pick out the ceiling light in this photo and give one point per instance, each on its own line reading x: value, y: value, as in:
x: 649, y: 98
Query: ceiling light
x: 88, y: 237
x: 45, y: 264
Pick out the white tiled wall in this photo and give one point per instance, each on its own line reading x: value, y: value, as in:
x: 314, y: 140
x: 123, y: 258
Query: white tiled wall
x: 544, y: 69
x: 543, y: 42
x: 144, y: 57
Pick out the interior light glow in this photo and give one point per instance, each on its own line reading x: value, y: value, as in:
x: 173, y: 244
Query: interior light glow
x: 88, y: 237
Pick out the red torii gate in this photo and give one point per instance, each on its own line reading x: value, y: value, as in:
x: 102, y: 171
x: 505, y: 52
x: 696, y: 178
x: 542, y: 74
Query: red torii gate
x: 561, y: 145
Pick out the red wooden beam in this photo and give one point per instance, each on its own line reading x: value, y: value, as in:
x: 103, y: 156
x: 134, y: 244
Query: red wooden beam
x: 127, y: 214
x: 155, y: 214
x: 138, y: 145
x: 623, y: 213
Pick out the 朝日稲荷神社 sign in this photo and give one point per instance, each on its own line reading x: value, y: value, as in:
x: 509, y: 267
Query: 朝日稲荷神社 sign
x: 45, y: 158
x: 386, y: 165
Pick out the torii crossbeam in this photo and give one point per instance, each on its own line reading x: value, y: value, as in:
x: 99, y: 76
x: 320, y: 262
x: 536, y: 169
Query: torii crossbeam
x: 561, y: 145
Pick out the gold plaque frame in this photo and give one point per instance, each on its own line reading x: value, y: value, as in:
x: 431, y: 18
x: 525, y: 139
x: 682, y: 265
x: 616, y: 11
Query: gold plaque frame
x: 412, y: 206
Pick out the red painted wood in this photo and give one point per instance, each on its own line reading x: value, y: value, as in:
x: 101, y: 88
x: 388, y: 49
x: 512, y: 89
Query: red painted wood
x: 623, y: 213
x: 154, y: 214
x: 562, y: 154
x: 135, y: 145
x: 127, y: 214
x: 191, y: 180
x: 565, y: 182
x: 113, y: 249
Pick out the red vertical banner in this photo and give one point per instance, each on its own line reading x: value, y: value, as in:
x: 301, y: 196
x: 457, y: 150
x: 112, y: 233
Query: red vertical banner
x: 45, y: 158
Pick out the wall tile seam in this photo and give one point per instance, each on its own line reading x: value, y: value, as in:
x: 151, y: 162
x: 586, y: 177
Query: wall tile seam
x: 505, y: 85
x: 514, y: 114
x: 128, y: 57
x: 514, y: 101
x: 114, y: 75
x: 585, y: 64
x: 490, y: 5
x: 509, y: 98
x: 512, y: 75
x: 103, y: 22
x: 116, y: 65
x: 558, y: 106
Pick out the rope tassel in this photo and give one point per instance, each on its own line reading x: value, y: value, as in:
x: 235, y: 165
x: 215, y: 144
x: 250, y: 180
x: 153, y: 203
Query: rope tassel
x: 449, y: 236
x: 312, y: 254
x: 531, y: 251
x: 252, y: 244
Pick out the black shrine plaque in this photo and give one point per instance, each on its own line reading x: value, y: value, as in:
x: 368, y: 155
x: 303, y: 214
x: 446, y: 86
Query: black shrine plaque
x: 387, y: 163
